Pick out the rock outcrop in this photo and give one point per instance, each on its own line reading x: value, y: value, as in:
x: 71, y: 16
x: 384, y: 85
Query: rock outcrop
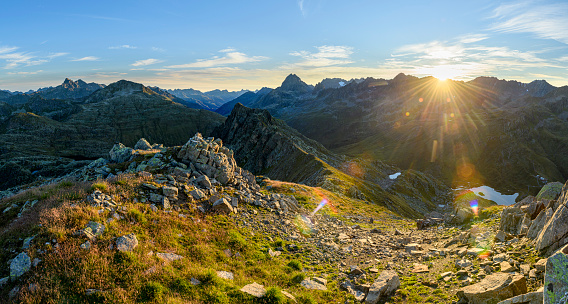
x: 494, y: 288
x: 556, y: 278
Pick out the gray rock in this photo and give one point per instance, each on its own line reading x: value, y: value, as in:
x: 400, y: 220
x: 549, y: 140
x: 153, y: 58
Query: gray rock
x: 311, y: 284
x: 126, y: 242
x: 254, y: 289
x: 550, y: 191
x: 222, y: 205
x: 120, y: 153
x: 539, y: 222
x: 171, y: 192
x: 225, y: 275
x: 20, y: 265
x: 86, y: 245
x: 194, y: 281
x: 506, y: 267
x: 463, y: 263
x: 554, y: 234
x: 197, y: 194
x: 3, y: 281
x: 204, y: 182
x: 386, y: 284
x: 156, y: 198
x: 352, y: 289
x: 143, y: 144
x: 27, y: 242
x: 511, y: 220
x: 168, y: 257
x: 493, y: 288
x: 556, y: 277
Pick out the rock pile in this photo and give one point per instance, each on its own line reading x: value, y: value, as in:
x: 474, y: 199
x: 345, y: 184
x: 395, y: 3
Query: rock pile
x: 543, y: 219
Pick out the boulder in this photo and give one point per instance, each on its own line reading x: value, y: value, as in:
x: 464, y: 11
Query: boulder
x: 511, y: 220
x: 550, y: 191
x: 539, y: 222
x: 493, y: 288
x: 463, y: 215
x: 223, y: 205
x: 171, y: 192
x: 556, y: 277
x: 535, y: 297
x: 120, y: 153
x: 386, y: 284
x: 20, y: 265
x: 554, y: 234
x: 352, y: 289
x: 126, y: 242
x: 225, y: 275
x: 143, y: 144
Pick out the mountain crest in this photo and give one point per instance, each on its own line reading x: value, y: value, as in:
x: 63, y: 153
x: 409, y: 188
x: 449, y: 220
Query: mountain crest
x: 294, y: 83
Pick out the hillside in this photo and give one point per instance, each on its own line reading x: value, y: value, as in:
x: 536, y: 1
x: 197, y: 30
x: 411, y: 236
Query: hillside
x: 59, y: 135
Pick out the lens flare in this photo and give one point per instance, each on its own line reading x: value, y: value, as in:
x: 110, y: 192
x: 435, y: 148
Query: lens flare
x: 407, y: 113
x: 321, y: 204
x: 420, y: 99
x: 474, y: 207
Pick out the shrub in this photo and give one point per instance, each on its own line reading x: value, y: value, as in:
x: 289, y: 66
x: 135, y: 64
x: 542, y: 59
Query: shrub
x: 236, y: 240
x: 65, y: 184
x: 295, y: 264
x: 306, y: 299
x: 138, y: 216
x: 297, y: 279
x: 99, y: 186
x: 152, y: 291
x: 273, y: 296
x: 209, y: 277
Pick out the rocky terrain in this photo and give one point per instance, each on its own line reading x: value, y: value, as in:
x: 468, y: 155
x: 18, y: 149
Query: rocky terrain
x: 187, y: 224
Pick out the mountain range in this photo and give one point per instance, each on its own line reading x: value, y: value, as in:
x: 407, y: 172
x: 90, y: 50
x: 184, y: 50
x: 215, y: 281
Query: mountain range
x: 487, y: 131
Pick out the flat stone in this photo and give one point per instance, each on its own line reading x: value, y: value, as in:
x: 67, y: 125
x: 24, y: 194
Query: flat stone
x: 86, y: 245
x: 463, y: 263
x: 169, y: 191
x: 194, y: 281
x: 535, y: 297
x: 273, y: 253
x: 310, y: 284
x: 169, y: 257
x: 419, y: 268
x: 289, y: 295
x: 254, y: 289
x: 225, y: 275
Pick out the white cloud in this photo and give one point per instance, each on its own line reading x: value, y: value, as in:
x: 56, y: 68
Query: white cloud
x: 87, y: 58
x: 124, y: 46
x: 327, y: 55
x: 158, y: 49
x: 546, y: 21
x: 231, y: 57
x: 15, y: 59
x: 472, y: 38
x: 25, y: 73
x: 55, y: 55
x: 145, y: 62
x: 228, y: 50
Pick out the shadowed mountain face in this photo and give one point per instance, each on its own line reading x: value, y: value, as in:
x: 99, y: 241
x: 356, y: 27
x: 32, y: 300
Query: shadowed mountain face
x: 69, y: 90
x: 265, y: 145
x: 35, y: 140
x: 246, y: 99
x: 501, y: 133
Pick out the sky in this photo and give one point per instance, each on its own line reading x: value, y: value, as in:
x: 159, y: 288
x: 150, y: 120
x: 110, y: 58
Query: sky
x: 250, y: 44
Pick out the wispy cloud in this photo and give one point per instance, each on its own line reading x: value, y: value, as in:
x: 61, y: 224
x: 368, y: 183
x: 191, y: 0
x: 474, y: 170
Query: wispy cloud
x: 55, y: 55
x: 231, y: 57
x: 124, y: 46
x: 301, y: 6
x: 157, y: 49
x: 87, y: 58
x: 327, y: 55
x: 25, y: 73
x: 145, y: 62
x: 14, y: 59
x: 545, y: 20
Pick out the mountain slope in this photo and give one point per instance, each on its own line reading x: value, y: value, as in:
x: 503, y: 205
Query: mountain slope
x: 246, y: 99
x: 265, y: 145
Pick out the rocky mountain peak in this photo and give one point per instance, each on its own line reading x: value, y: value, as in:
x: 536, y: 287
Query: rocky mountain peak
x: 294, y: 83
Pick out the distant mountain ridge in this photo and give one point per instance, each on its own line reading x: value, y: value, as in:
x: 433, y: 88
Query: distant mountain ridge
x: 210, y: 100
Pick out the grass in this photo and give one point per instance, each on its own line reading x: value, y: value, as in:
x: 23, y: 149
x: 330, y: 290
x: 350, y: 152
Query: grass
x: 66, y: 273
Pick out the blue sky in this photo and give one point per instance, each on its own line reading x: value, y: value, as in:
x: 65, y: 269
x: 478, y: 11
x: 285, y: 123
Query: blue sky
x: 251, y: 44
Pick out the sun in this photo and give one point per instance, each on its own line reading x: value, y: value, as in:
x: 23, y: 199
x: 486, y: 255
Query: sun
x: 441, y: 72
